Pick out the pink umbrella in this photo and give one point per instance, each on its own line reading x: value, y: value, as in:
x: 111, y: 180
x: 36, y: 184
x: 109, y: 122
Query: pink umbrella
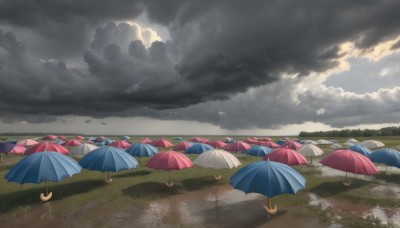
x: 251, y: 141
x: 17, y: 149
x: 162, y: 143
x: 292, y: 145
x: 196, y: 139
x: 146, y: 140
x: 46, y: 146
x: 237, y: 146
x: 49, y: 137
x: 269, y: 144
x: 169, y: 160
x: 63, y: 138
x: 349, y: 161
x: 217, y: 144
x: 266, y: 139
x: 286, y: 156
x: 122, y: 144
x: 27, y: 142
x: 100, y: 139
x: 79, y: 137
x: 182, y: 146
x: 71, y: 142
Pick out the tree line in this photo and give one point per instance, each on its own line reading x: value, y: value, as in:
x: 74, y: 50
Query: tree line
x: 386, y: 131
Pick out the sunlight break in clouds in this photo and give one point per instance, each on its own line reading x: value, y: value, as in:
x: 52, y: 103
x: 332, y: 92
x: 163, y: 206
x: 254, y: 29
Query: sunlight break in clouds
x: 146, y: 35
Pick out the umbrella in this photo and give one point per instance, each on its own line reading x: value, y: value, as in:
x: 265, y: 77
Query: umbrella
x: 310, y: 150
x: 324, y: 142
x: 49, y: 137
x: 146, y: 140
x: 79, y: 137
x: 237, y: 146
x: 269, y: 144
x: 196, y: 139
x: 388, y: 156
x: 71, y: 142
x: 62, y: 137
x: 349, y: 161
x: 39, y: 167
x: 228, y: 140
x: 259, y: 151
x: 162, y: 143
x: 217, y: 144
x: 309, y: 141
x: 125, y: 137
x: 83, y: 149
x: 372, y: 144
x: 27, y: 142
x: 108, y: 159
x: 178, y: 138
x: 251, y: 141
x: 198, y: 148
x: 352, y: 141
x: 268, y: 178
x: 122, y: 144
x: 292, y: 145
x: 361, y: 149
x: 182, y: 146
x: 217, y: 159
x: 46, y: 146
x: 5, y: 147
x: 336, y: 146
x: 169, y: 160
x: 17, y: 149
x: 286, y: 156
x: 266, y: 139
x: 142, y: 150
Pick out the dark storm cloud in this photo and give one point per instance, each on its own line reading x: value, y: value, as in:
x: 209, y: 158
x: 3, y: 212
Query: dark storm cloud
x: 216, y: 49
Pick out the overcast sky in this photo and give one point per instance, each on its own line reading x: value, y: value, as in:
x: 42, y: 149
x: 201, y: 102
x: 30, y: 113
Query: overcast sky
x: 198, y: 67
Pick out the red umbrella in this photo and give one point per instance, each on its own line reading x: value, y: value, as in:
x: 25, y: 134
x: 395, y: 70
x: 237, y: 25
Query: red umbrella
x: 169, y: 160
x: 46, y: 146
x: 237, y: 146
x: 266, y: 139
x: 269, y: 144
x: 162, y: 143
x: 122, y: 144
x: 217, y: 144
x: 79, y: 137
x: 71, y: 142
x: 182, y: 146
x: 251, y: 141
x: 27, y: 142
x: 49, y: 137
x: 292, y: 145
x: 196, y: 139
x: 63, y: 138
x: 286, y: 156
x: 146, y: 140
x: 349, y: 161
x: 17, y: 149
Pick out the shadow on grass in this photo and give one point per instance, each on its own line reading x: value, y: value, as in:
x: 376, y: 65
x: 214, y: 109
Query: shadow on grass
x: 30, y: 196
x: 393, y: 177
x: 200, y: 183
x: 152, y: 190
x: 5, y: 167
x: 132, y: 173
x: 327, y: 189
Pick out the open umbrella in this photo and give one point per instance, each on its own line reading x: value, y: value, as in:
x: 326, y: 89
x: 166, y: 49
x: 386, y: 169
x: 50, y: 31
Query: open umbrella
x: 268, y: 178
x: 372, y: 144
x: 217, y: 159
x: 27, y: 142
x: 122, y: 144
x: 269, y: 144
x: 142, y: 150
x: 71, y: 142
x: 5, y: 147
x: 259, y: 151
x: 17, y: 149
x: 79, y: 137
x: 49, y: 137
x: 349, y: 161
x: 292, y: 145
x: 361, y: 149
x: 46, y: 146
x: 45, y: 166
x: 310, y: 150
x: 198, y: 148
x: 286, y: 156
x: 387, y: 156
x: 217, y: 144
x: 169, y: 160
x: 196, y: 140
x: 237, y: 146
x: 162, y: 143
x: 251, y: 141
x: 83, y: 149
x: 146, y: 140
x: 108, y: 159
x: 182, y: 146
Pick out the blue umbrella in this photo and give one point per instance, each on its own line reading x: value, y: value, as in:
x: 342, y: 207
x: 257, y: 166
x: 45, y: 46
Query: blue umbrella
x: 44, y: 166
x: 259, y: 151
x: 178, y: 138
x: 361, y: 149
x: 5, y: 147
x: 125, y: 137
x: 280, y: 142
x: 142, y: 150
x: 108, y: 159
x: 268, y: 178
x: 390, y: 157
x: 198, y: 148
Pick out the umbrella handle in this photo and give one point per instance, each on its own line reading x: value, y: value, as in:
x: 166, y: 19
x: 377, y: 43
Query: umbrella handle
x: 346, y: 182
x: 169, y: 183
x: 108, y: 179
x: 44, y: 198
x: 217, y: 177
x: 270, y: 209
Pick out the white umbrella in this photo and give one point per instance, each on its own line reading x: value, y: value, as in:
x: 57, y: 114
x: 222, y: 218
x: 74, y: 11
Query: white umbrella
x: 309, y: 141
x: 324, y: 142
x: 310, y: 150
x: 352, y: 141
x: 83, y: 149
x: 372, y: 144
x: 217, y: 159
x: 336, y: 146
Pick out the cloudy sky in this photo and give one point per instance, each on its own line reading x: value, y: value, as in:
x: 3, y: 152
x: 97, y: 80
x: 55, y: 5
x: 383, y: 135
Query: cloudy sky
x: 198, y: 67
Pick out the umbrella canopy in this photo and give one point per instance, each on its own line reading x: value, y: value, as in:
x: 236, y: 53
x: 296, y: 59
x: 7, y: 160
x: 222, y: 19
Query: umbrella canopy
x: 361, y: 149
x: 71, y: 142
x: 17, y: 149
x: 46, y: 146
x: 169, y: 160
x: 27, y: 142
x: 310, y: 150
x: 83, y: 149
x: 5, y: 147
x: 309, y: 141
x: 269, y: 144
x: 146, y: 140
x: 182, y: 146
x: 388, y: 156
x: 178, y: 138
x: 142, y: 150
x: 198, y: 148
x: 268, y: 178
x: 45, y: 166
x: 108, y: 159
x: 286, y: 156
x: 292, y: 145
x: 228, y: 140
x: 79, y: 137
x: 259, y: 151
x: 63, y: 138
x: 336, y: 146
x: 162, y: 143
x: 196, y: 139
x: 217, y: 159
x: 349, y: 161
x: 324, y: 142
x: 265, y: 139
x: 122, y: 144
x: 237, y: 146
x: 49, y: 137
x: 217, y: 144
x: 353, y: 141
x: 372, y: 144
x: 251, y: 141
x: 125, y: 137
